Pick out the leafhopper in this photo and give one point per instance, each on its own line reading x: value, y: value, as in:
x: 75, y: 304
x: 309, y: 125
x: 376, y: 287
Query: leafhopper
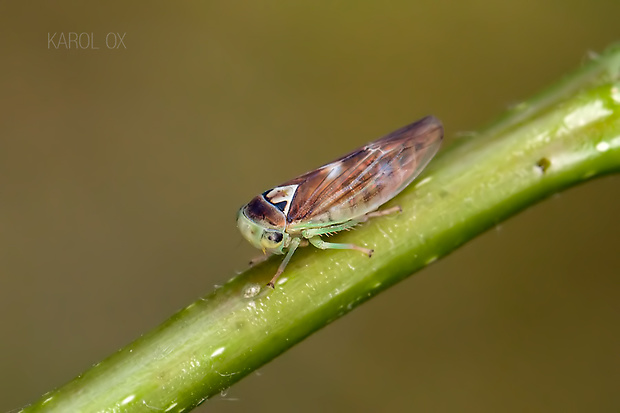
x: 340, y: 194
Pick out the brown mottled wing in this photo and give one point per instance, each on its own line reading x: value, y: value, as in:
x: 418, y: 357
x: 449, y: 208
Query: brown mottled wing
x: 366, y: 178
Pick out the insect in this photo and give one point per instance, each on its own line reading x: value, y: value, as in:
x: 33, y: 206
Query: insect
x: 340, y: 194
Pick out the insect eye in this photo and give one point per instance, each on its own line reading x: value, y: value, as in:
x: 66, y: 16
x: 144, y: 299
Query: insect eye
x: 271, y: 239
x: 275, y: 237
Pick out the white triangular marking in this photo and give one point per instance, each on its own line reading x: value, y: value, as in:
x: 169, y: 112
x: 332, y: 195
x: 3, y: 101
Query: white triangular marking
x: 282, y: 194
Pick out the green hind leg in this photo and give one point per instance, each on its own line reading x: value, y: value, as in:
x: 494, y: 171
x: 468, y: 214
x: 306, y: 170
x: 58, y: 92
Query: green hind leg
x: 329, y: 229
x: 319, y: 243
x: 313, y: 234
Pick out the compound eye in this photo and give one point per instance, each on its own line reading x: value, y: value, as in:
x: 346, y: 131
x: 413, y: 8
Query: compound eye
x: 271, y: 239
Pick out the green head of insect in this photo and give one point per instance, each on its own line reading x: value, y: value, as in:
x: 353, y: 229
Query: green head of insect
x: 271, y: 240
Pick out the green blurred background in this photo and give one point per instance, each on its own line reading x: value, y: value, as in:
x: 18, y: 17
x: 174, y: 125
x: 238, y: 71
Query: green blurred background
x: 121, y: 172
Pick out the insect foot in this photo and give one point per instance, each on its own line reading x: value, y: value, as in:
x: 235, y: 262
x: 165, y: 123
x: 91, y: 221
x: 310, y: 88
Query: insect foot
x: 257, y: 260
x: 366, y: 251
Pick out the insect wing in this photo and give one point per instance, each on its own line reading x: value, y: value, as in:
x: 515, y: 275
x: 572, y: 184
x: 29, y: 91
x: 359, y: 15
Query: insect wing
x: 366, y: 178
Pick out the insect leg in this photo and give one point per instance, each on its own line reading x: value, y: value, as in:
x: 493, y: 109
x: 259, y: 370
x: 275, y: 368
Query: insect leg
x: 261, y: 258
x: 319, y: 243
x: 330, y: 229
x: 375, y: 214
x: 291, y: 249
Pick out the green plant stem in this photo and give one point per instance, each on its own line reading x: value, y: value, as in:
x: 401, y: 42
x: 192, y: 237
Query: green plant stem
x: 564, y: 136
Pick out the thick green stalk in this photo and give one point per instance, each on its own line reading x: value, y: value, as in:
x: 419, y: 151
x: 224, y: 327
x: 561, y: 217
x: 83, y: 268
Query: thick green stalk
x: 566, y: 135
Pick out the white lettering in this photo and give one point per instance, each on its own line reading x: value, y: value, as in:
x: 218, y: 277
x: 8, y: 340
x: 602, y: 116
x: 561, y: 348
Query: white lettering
x: 107, y: 42
x: 92, y: 42
x: 51, y: 40
x: 120, y: 40
x: 73, y: 37
x: 62, y: 40
x: 82, y: 46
